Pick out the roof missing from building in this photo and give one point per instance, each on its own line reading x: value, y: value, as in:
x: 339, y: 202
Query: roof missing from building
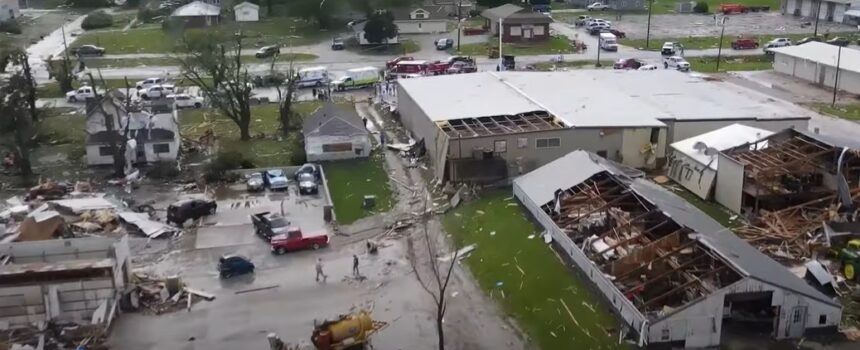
x: 699, y: 147
x: 660, y: 252
x: 499, y: 125
x: 595, y: 98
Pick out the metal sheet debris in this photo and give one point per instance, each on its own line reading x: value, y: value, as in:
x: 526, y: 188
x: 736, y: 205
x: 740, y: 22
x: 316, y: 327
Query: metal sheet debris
x: 80, y: 205
x: 152, y: 229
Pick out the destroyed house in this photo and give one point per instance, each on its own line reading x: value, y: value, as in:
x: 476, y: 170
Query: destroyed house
x: 70, y: 280
x: 670, y: 272
x: 498, y: 125
x: 790, y: 185
x: 153, y: 132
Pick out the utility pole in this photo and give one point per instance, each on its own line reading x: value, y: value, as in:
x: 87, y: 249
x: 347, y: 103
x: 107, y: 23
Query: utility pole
x: 836, y: 81
x: 459, y: 23
x: 501, y: 32
x: 817, y: 15
x: 597, y: 64
x: 720, y: 49
x: 648, y: 31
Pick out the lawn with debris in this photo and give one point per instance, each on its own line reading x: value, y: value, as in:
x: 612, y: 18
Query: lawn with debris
x: 516, y: 268
x: 350, y: 180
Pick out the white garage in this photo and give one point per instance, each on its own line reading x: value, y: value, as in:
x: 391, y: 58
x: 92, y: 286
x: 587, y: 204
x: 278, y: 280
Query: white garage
x: 247, y: 12
x: 421, y: 20
x: 817, y: 63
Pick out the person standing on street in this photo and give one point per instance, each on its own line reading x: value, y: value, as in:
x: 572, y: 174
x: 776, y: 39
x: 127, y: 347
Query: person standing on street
x: 320, y: 270
x: 355, y: 266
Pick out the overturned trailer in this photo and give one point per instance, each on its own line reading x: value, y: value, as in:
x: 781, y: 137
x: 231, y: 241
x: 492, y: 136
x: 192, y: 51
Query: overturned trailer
x: 669, y: 271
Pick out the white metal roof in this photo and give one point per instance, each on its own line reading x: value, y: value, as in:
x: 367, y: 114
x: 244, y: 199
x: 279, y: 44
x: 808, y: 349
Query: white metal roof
x: 595, y: 98
x: 722, y: 139
x: 197, y: 8
x: 825, y: 54
x: 247, y: 4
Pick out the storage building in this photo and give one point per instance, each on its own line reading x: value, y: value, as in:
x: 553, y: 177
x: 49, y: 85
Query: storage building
x: 827, y: 10
x: 670, y: 272
x: 491, y: 125
x: 816, y: 63
x: 427, y: 19
x: 333, y: 133
x: 693, y: 162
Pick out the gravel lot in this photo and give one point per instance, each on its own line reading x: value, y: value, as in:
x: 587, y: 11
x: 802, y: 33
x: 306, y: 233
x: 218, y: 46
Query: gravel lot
x: 674, y: 26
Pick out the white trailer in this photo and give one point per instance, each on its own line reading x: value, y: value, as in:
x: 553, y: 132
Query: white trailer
x: 313, y: 76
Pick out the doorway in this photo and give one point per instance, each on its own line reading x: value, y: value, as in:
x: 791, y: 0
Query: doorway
x: 750, y: 314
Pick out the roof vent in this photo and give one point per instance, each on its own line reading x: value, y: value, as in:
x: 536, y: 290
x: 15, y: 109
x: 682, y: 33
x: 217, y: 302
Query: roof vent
x: 700, y: 146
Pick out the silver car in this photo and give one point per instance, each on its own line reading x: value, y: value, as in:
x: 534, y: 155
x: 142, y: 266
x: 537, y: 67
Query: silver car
x: 255, y: 182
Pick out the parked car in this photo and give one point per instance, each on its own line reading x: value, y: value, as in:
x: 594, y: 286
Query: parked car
x: 234, y: 265
x: 268, y: 80
x: 146, y: 83
x: 597, y: 20
x: 733, y: 8
x: 676, y: 62
x: 157, y: 91
x: 597, y: 28
x: 255, y: 182
x: 628, y: 63
x: 808, y: 39
x: 618, y: 34
x: 839, y: 41
x: 293, y: 240
x: 308, y: 184
x: 648, y: 67
x: 668, y: 48
x: 598, y: 7
x: 88, y: 50
x: 276, y: 179
x: 81, y: 94
x: 181, y: 101
x: 444, y: 43
x: 337, y: 44
x: 778, y: 42
x: 268, y: 225
x: 267, y: 51
x: 309, y: 168
x: 180, y: 212
x: 742, y: 43
x: 461, y: 67
x: 581, y: 20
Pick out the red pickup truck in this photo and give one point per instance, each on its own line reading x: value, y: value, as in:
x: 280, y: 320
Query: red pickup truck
x: 390, y: 64
x: 295, y: 240
x: 733, y: 8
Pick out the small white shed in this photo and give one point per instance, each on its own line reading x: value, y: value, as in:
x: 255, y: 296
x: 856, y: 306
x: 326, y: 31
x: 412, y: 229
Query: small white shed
x: 693, y: 162
x: 247, y: 12
x: 333, y: 133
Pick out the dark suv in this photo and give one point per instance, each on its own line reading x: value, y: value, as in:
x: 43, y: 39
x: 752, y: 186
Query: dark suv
x: 88, y: 50
x: 233, y: 265
x: 267, y: 51
x: 179, y: 212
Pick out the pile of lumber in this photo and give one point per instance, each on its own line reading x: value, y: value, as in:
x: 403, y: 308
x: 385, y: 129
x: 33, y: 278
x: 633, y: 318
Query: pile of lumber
x: 787, y: 234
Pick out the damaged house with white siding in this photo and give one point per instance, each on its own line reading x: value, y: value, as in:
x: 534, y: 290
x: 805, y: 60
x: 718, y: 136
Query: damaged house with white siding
x: 153, y: 132
x: 669, y: 271
x: 74, y: 280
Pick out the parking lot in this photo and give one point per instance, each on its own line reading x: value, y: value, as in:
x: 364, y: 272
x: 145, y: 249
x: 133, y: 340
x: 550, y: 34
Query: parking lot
x: 686, y: 25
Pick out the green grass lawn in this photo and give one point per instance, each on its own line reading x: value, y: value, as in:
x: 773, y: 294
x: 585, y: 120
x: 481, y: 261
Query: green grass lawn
x: 716, y: 211
x: 531, y: 276
x: 844, y: 111
x: 61, y: 138
x: 406, y: 46
x: 263, y: 151
x: 732, y: 63
x: 555, y: 45
x: 350, y: 180
x: 172, y: 61
x: 285, y: 31
x: 713, y: 42
x: 130, y: 41
x: 549, y: 66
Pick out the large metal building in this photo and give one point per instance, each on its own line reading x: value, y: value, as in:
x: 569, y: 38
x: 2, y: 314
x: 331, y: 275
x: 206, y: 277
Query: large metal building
x: 816, y: 63
x: 493, y: 125
x: 669, y: 271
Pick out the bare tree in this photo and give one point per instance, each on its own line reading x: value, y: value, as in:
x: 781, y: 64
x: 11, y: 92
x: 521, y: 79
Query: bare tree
x: 223, y: 80
x: 435, y: 283
x: 286, y: 88
x: 117, y: 149
x: 61, y: 71
x: 13, y: 94
x: 20, y: 58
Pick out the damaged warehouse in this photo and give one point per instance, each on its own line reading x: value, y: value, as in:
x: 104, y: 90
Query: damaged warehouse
x: 790, y: 185
x: 669, y: 271
x: 497, y: 125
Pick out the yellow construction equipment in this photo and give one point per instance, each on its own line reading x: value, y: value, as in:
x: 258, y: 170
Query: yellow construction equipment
x: 348, y: 331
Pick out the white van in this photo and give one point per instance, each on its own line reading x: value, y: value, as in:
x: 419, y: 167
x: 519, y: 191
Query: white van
x: 608, y: 42
x: 356, y: 78
x: 313, y: 76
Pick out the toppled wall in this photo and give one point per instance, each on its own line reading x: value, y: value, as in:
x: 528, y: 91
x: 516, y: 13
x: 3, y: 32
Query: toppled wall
x: 69, y: 301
